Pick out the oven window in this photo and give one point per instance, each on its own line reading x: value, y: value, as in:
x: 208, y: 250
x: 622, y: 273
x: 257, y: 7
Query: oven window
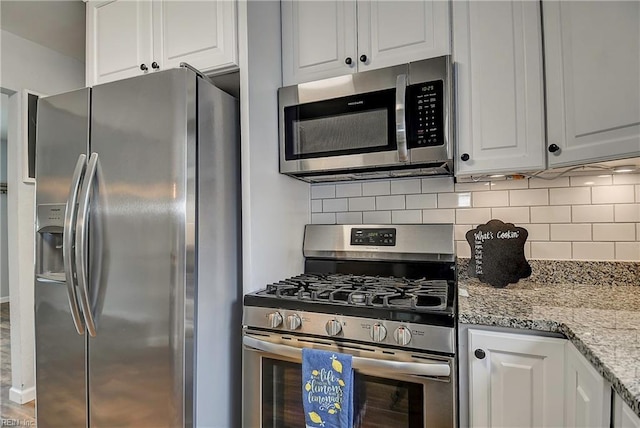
x: 356, y: 124
x: 378, y: 402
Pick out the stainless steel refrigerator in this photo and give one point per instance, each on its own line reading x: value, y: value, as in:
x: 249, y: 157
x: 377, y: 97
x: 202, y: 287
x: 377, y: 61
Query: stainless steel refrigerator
x: 137, y: 287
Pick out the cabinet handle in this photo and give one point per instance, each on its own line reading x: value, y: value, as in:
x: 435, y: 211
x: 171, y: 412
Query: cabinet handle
x: 465, y: 157
x: 144, y: 67
x: 155, y: 65
x: 363, y: 58
x: 348, y: 60
x: 553, y: 148
x: 480, y: 354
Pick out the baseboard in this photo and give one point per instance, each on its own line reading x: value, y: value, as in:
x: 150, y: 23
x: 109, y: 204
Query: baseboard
x: 4, y: 299
x: 22, y: 396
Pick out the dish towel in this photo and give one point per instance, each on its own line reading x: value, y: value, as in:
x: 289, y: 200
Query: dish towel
x: 327, y: 389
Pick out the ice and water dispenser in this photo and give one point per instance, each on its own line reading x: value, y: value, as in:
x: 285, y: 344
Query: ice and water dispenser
x: 49, y: 239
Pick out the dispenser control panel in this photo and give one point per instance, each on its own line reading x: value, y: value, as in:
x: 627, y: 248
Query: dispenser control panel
x: 50, y: 215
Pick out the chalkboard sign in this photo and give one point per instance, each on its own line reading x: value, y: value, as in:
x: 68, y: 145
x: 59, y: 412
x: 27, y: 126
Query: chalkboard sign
x: 497, y: 253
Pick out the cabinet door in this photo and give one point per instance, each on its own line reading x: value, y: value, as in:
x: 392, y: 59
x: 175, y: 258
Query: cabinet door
x: 396, y: 32
x: 200, y: 33
x: 317, y: 38
x: 119, y: 40
x: 588, y: 395
x: 500, y: 95
x: 593, y: 80
x: 623, y: 416
x: 517, y: 382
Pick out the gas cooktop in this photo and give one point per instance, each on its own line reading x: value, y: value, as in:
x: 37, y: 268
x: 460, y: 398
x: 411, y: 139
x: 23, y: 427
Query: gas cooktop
x: 362, y: 290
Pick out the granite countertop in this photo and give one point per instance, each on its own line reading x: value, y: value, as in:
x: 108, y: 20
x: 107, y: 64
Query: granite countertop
x: 602, y: 321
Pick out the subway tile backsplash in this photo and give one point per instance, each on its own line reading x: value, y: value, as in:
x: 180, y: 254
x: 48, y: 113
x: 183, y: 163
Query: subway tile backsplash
x: 568, y: 218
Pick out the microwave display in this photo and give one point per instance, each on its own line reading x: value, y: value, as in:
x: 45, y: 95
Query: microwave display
x: 425, y: 114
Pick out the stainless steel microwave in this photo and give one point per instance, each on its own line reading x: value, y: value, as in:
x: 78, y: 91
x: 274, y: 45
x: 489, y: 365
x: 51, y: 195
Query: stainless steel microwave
x: 391, y: 122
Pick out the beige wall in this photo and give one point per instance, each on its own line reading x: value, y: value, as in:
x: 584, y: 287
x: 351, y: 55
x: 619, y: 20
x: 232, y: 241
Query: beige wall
x: 26, y: 65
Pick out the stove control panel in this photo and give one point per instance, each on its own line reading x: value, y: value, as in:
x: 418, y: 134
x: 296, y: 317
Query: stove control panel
x: 361, y: 329
x: 377, y: 237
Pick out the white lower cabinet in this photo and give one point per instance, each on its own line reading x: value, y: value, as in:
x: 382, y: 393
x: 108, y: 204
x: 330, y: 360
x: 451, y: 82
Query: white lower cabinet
x: 515, y: 380
x: 525, y: 380
x: 623, y: 416
x: 587, y: 394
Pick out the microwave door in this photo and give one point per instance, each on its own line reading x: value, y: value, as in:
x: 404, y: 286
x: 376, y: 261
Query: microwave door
x: 357, y: 131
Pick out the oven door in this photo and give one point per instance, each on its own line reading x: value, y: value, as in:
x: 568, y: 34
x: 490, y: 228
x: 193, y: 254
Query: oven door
x: 392, y: 388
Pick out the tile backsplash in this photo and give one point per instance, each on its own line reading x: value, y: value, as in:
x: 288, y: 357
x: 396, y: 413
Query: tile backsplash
x: 568, y: 218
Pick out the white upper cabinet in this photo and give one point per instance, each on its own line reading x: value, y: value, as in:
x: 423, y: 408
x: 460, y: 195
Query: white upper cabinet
x: 500, y: 93
x: 396, y: 32
x: 318, y: 39
x: 118, y: 40
x: 588, y: 395
x: 515, y: 380
x: 322, y: 39
x: 200, y: 33
x: 127, y: 38
x: 592, y: 55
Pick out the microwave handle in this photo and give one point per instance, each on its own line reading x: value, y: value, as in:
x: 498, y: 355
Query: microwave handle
x: 435, y: 369
x: 401, y: 126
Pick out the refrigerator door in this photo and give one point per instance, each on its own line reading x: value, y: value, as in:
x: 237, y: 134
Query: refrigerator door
x: 63, y: 130
x: 141, y: 250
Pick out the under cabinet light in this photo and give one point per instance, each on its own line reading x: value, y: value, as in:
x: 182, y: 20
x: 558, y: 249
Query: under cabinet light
x: 625, y: 168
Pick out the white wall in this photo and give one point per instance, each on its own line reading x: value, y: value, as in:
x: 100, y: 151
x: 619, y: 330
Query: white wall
x: 569, y: 218
x: 4, y: 271
x: 26, y: 65
x: 275, y: 208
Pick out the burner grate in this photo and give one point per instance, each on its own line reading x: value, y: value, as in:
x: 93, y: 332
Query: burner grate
x: 362, y: 290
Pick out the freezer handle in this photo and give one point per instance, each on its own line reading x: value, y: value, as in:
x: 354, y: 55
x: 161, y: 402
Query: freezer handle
x: 81, y: 243
x: 434, y: 369
x: 67, y: 243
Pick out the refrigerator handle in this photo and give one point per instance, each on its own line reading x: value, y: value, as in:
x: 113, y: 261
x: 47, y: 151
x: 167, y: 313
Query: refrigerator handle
x: 67, y: 243
x: 81, y: 243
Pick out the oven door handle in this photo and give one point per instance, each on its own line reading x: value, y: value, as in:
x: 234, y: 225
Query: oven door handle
x: 399, y: 367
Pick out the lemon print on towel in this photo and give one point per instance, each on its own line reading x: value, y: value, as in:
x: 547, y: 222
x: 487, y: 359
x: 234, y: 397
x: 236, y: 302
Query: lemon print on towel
x: 335, y: 364
x: 315, y: 418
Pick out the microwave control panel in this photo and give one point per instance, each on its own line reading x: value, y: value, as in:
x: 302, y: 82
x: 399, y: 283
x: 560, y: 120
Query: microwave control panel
x: 425, y: 114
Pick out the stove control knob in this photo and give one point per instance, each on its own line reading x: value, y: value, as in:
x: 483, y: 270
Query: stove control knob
x: 378, y: 332
x: 275, y: 320
x: 402, y: 335
x: 293, y: 322
x: 333, y: 327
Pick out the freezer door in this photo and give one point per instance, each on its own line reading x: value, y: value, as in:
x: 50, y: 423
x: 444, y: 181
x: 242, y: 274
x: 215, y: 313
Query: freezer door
x: 141, y: 250
x: 62, y: 138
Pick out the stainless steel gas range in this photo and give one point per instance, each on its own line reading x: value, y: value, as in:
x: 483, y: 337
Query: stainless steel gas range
x: 386, y: 294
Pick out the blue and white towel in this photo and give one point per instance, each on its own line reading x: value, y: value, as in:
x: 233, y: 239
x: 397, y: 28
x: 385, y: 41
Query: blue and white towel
x: 327, y: 389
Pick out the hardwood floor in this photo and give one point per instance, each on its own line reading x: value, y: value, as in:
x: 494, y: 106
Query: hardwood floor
x: 11, y: 414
